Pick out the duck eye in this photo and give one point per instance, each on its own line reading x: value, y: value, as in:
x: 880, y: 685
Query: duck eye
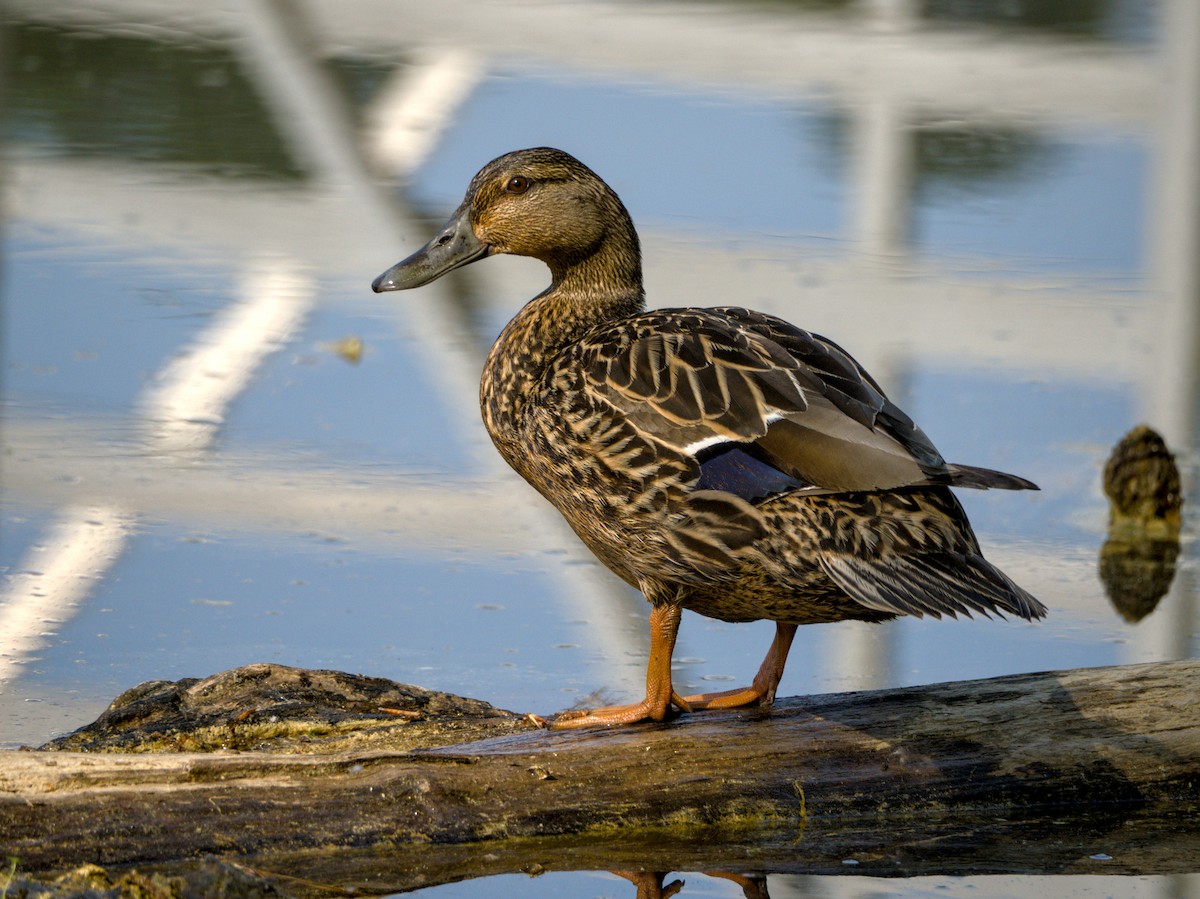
x: 517, y: 184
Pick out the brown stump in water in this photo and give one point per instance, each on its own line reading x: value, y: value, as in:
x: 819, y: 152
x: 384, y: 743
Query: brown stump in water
x: 1137, y: 561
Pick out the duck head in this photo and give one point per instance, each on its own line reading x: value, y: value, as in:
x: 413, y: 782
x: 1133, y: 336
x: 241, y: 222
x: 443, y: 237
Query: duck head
x: 542, y: 203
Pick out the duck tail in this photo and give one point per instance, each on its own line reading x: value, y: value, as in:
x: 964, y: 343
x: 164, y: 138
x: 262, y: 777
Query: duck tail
x: 987, y: 479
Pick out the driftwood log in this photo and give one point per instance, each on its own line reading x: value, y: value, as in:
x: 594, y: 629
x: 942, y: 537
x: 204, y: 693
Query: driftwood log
x: 1089, y: 770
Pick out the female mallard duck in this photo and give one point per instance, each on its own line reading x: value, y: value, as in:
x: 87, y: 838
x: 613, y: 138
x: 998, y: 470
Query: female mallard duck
x: 719, y: 460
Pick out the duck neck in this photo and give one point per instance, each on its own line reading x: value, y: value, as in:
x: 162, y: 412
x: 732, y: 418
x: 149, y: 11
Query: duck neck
x: 610, y: 270
x: 584, y: 294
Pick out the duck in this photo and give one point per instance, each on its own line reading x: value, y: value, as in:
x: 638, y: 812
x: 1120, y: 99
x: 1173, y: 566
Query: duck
x: 717, y: 459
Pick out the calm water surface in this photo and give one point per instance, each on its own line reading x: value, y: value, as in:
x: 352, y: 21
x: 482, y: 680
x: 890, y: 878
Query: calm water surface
x: 201, y: 470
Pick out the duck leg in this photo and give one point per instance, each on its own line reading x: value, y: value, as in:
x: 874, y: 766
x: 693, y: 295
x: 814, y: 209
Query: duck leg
x: 766, y: 682
x: 650, y: 884
x: 664, y: 625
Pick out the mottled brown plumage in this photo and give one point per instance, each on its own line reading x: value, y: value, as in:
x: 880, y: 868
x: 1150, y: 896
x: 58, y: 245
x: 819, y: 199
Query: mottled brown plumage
x: 720, y: 460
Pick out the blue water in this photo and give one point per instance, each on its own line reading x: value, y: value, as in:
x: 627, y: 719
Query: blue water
x: 97, y: 303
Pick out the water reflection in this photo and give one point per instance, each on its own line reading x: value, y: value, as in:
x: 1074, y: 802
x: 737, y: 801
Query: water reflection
x: 1092, y: 19
x: 995, y: 205
x: 654, y: 885
x: 1104, y: 20
x: 848, y: 886
x: 213, y: 113
x: 142, y: 97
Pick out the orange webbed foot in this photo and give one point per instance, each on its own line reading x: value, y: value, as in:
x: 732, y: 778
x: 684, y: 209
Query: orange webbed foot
x: 766, y: 682
x: 729, y: 699
x: 611, y: 716
x: 660, y: 695
x: 649, y: 709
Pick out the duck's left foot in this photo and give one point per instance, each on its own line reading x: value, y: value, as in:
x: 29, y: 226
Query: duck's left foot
x: 611, y: 716
x: 649, y: 709
x: 660, y: 695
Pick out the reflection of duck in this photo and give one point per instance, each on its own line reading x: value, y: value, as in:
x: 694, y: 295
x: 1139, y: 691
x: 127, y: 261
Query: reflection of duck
x: 720, y: 460
x: 650, y: 884
x: 1137, y: 561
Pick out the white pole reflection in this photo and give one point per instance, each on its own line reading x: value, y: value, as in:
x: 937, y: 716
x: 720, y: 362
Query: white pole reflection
x: 410, y: 111
x: 181, y: 415
x: 185, y: 409
x: 55, y: 577
x: 863, y: 656
x: 1171, y: 392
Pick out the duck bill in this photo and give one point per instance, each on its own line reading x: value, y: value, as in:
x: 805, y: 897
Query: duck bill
x: 453, y: 247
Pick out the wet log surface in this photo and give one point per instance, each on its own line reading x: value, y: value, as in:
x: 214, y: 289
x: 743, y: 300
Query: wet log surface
x: 1027, y: 773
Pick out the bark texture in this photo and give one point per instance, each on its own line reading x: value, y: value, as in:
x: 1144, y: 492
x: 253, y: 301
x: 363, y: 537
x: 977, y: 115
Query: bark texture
x: 1019, y: 773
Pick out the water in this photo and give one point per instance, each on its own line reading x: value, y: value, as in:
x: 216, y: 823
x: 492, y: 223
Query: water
x: 196, y: 475
x: 609, y: 886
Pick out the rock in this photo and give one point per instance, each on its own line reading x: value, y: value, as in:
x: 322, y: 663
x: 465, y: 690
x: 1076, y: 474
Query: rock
x: 276, y: 707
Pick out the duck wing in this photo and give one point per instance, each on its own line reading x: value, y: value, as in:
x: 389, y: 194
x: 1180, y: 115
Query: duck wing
x: 761, y: 407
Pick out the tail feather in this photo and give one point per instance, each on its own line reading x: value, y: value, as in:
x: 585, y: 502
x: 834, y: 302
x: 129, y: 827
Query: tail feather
x: 987, y: 478
x: 933, y: 584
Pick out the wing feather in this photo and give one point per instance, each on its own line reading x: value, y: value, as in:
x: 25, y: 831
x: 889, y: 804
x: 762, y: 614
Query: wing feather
x: 709, y: 381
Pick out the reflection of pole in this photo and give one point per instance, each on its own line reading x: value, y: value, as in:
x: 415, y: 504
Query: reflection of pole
x: 403, y: 125
x: 1172, y: 392
x: 1174, y: 230
x: 275, y: 45
x: 54, y: 578
x: 890, y: 15
x: 863, y: 656
x: 414, y: 106
x: 185, y: 409
x: 182, y: 414
x: 883, y: 151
